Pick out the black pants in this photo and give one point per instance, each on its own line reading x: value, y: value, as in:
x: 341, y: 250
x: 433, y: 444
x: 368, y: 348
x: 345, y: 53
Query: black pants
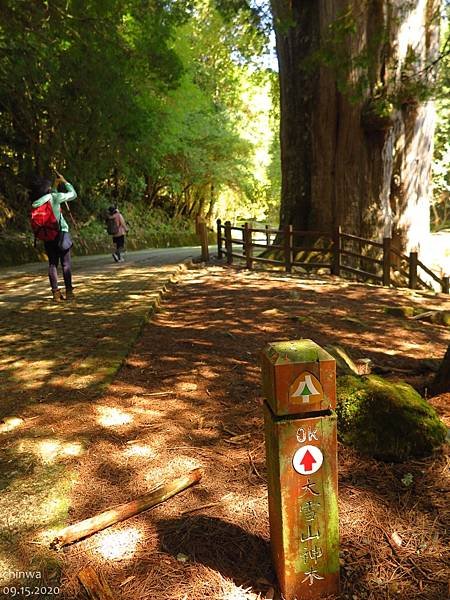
x: 120, y: 244
x: 56, y: 256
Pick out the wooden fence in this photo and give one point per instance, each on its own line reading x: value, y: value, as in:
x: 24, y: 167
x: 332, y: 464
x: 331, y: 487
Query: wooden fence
x: 340, y: 253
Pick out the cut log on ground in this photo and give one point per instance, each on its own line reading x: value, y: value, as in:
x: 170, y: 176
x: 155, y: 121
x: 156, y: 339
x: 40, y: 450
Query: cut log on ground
x: 95, y: 585
x: 159, y: 494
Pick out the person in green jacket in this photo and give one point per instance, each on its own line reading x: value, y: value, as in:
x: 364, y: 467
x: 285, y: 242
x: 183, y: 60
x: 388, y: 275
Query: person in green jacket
x: 58, y: 251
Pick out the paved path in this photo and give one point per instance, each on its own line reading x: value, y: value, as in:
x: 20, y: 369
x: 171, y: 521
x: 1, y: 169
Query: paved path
x: 55, y: 360
x: 53, y: 351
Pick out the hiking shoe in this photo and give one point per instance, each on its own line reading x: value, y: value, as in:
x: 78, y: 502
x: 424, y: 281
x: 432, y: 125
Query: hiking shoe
x: 116, y: 257
x: 57, y: 296
x: 70, y: 296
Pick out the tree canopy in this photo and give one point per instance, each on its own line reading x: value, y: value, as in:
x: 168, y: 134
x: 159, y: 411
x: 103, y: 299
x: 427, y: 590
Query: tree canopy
x: 144, y: 100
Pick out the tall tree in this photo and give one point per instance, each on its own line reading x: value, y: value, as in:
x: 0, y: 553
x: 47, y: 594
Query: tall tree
x: 356, y: 122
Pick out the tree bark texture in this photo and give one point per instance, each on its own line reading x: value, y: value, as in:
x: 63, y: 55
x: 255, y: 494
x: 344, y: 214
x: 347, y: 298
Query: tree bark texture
x: 342, y: 164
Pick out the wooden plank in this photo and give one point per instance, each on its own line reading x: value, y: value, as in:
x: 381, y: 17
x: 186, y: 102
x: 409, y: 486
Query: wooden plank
x: 429, y: 272
x: 248, y: 249
x: 387, y: 261
x: 268, y: 230
x: 349, y: 236
x: 288, y: 248
x: 412, y: 276
x: 228, y: 243
x: 399, y: 254
x: 219, y: 239
x: 268, y: 260
x: 337, y: 251
x: 357, y: 255
x: 365, y: 274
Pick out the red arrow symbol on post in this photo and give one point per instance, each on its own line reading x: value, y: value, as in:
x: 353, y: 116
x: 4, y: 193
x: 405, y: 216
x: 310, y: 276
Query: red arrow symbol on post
x: 308, y: 461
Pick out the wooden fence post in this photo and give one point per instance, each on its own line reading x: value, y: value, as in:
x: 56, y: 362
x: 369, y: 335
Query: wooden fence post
x: 446, y: 284
x: 228, y: 243
x: 387, y: 261
x: 203, y: 234
x: 248, y: 248
x: 219, y: 239
x: 299, y: 385
x: 336, y: 250
x: 267, y: 236
x: 413, y: 259
x: 288, y: 248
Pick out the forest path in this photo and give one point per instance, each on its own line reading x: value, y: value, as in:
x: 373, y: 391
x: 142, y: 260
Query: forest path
x: 189, y: 395
x: 49, y: 346
x: 54, y: 357
x: 189, y: 387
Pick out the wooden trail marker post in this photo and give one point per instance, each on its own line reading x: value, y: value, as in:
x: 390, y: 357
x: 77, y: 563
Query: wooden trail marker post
x: 299, y: 383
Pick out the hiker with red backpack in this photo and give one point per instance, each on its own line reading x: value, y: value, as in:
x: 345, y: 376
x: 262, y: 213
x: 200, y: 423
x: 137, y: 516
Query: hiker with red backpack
x: 49, y: 225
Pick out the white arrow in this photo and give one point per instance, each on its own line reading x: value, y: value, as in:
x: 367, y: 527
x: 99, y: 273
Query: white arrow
x: 305, y: 389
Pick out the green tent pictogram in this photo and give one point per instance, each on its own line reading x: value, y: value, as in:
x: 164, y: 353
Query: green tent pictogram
x: 306, y: 391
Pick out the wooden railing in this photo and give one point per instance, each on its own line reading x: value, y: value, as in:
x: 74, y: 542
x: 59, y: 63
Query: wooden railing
x: 346, y: 253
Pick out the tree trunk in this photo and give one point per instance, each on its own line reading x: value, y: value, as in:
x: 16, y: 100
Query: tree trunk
x: 441, y: 383
x: 356, y: 142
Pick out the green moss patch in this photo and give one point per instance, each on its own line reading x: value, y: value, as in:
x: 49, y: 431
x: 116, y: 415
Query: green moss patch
x: 440, y: 317
x: 389, y: 421
x: 400, y: 311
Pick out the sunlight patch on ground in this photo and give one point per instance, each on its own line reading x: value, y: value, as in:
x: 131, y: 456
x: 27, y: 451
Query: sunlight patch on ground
x: 137, y: 363
x: 50, y: 450
x: 178, y: 467
x: 237, y: 505
x: 118, y: 545
x: 138, y: 450
x: 11, y: 338
x: 238, y: 593
x: 109, y: 416
x: 10, y: 423
x: 31, y: 374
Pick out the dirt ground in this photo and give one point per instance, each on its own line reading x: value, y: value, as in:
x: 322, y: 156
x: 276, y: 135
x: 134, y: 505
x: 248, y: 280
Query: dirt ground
x: 190, y: 387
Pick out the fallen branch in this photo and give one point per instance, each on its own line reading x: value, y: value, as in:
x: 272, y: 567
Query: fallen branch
x: 95, y: 585
x: 159, y: 494
x: 423, y: 315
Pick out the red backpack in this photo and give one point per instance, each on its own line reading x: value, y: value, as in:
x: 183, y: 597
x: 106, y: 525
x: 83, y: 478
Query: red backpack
x: 44, y: 223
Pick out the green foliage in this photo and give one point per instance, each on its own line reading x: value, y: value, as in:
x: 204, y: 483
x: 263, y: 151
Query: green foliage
x: 133, y: 100
x: 386, y: 420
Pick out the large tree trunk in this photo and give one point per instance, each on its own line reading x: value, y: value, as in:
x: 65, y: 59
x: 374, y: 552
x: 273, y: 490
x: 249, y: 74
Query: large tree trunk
x: 344, y: 163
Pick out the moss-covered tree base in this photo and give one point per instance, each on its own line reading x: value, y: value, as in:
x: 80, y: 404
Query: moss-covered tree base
x: 389, y: 421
